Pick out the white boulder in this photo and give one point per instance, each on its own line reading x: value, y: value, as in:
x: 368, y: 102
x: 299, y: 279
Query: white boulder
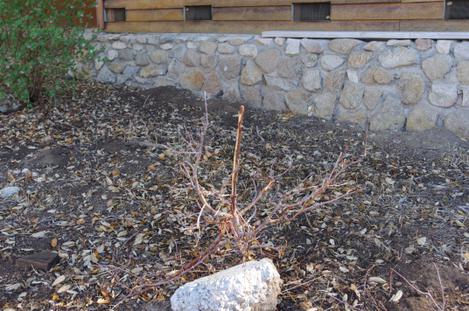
x: 252, y: 286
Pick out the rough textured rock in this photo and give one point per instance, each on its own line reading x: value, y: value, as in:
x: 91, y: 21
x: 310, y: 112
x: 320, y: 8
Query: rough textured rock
x: 254, y: 285
x: 251, y: 95
x: 225, y: 48
x: 309, y: 60
x: 312, y: 46
x: 389, y: 115
x: 274, y: 99
x: 142, y: 59
x: 106, y: 76
x: 289, y: 68
x: 443, y: 94
x: 208, y: 47
x: 352, y: 75
x: 112, y: 55
x: 9, y: 192
x: 159, y: 57
x: 377, y: 75
x: 297, y: 101
x: 251, y: 74
x: 343, y: 46
x: 208, y: 61
x: 444, y: 46
x: 461, y: 51
x: 398, y: 57
x: 358, y: 59
x: 334, y: 80
x: 249, y: 50
x: 212, y: 84
x: 358, y: 115
x: 374, y: 46
x: 463, y: 72
x: 118, y: 45
x: 191, y: 58
x: 399, y: 43
x: 153, y: 71
x: 279, y: 83
x: 9, y: 104
x: 230, y: 66
x: 117, y: 67
x: 372, y: 97
x: 279, y: 41
x: 437, y: 66
x: 422, y: 117
x: 331, y: 62
x: 293, y: 47
x: 423, y: 44
x: 268, y: 60
x: 193, y: 80
x: 352, y: 95
x: 457, y: 123
x: 322, y: 105
x: 412, y: 88
x: 312, y: 80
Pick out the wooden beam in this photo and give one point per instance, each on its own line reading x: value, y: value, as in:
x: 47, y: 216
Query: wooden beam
x: 100, y: 13
x: 373, y: 35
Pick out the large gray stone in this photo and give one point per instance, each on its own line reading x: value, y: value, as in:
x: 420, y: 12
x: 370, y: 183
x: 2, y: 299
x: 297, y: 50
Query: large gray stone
x: 208, y: 47
x: 423, y: 44
x: 117, y: 66
x: 444, y: 46
x: 390, y: 115
x: 106, y: 76
x: 358, y: 115
x: 461, y: 51
x: 437, y: 66
x: 322, y: 105
x: 112, y: 55
x: 457, y: 122
x: 230, y: 66
x: 251, y: 95
x: 212, y: 84
x: 312, y: 80
x: 358, y: 59
x: 443, y: 94
x: 334, y: 80
x: 248, y: 50
x: 193, y: 80
x: 268, y: 60
x: 331, y: 62
x: 225, y: 48
x: 297, y: 101
x: 343, y: 46
x: 352, y: 95
x: 313, y: 46
x: 463, y: 72
x: 412, y: 88
x: 251, y: 74
x: 118, y: 45
x: 273, y: 99
x: 159, y: 57
x: 289, y: 68
x: 378, y: 75
x: 372, y: 97
x: 128, y: 73
x: 208, y: 61
x: 127, y: 54
x: 153, y: 71
x: 293, y: 47
x: 254, y: 285
x: 142, y: 59
x: 422, y: 117
x: 280, y: 83
x: 398, y: 57
x: 9, y: 104
x: 309, y: 59
x: 191, y: 58
x: 374, y: 46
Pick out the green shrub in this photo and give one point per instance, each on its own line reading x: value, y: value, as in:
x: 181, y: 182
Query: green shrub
x: 40, y: 42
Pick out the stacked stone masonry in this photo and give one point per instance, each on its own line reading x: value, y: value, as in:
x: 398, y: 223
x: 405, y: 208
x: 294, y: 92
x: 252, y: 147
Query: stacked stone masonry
x: 383, y: 85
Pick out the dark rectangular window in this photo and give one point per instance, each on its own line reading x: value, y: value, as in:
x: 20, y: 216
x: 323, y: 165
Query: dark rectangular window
x: 115, y: 15
x: 457, y: 9
x: 198, y: 13
x: 311, y: 12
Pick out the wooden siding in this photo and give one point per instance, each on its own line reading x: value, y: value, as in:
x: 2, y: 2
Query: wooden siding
x: 255, y: 16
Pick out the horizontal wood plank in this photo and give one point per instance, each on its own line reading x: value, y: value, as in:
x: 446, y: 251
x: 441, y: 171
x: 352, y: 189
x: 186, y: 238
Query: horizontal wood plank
x: 155, y: 15
x: 387, y: 11
x: 272, y: 13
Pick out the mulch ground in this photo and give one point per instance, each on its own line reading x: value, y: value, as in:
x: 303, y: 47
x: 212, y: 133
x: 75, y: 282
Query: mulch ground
x: 101, y: 186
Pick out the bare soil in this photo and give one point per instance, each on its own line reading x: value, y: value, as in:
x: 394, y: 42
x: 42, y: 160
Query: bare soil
x: 101, y: 187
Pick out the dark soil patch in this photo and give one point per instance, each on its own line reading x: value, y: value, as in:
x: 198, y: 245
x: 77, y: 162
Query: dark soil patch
x: 96, y: 175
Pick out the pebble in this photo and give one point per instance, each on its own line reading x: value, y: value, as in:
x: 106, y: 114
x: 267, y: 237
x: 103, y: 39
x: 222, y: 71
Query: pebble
x: 9, y: 192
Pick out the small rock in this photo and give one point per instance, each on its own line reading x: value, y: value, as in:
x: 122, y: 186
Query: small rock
x: 412, y: 88
x: 279, y: 41
x: 118, y: 45
x: 423, y: 44
x: 251, y: 74
x: 253, y: 285
x: 352, y: 75
x: 312, y: 80
x: 9, y: 192
x: 331, y: 62
x: 225, y: 48
x: 249, y: 50
x: 112, y: 55
x: 437, y: 66
x: 374, y: 46
x: 443, y: 94
x: 352, y: 95
x: 9, y: 104
x: 268, y: 60
x: 398, y: 57
x: 343, y: 46
x: 208, y: 47
x: 293, y: 47
x: 359, y: 59
x: 399, y: 43
x: 444, y: 46
x: 312, y: 46
x: 41, y: 261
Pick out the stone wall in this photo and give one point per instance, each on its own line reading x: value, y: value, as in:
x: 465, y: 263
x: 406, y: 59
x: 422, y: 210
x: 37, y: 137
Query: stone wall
x: 395, y: 84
